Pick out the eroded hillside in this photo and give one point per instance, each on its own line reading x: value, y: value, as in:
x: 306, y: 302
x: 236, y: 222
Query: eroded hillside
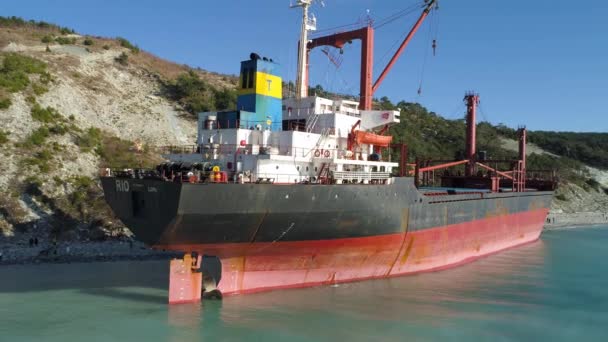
x: 70, y: 104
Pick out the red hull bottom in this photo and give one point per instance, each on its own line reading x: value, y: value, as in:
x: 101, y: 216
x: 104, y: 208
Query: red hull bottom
x: 256, y: 267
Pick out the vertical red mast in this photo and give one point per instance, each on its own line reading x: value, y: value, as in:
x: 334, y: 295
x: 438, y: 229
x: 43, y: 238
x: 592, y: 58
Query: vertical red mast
x: 472, y: 100
x: 522, y: 146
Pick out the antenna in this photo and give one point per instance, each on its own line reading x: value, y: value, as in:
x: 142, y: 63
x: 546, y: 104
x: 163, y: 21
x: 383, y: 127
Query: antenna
x: 308, y: 24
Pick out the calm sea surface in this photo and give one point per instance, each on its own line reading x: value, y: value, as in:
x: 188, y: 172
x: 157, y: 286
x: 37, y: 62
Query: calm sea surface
x: 552, y: 290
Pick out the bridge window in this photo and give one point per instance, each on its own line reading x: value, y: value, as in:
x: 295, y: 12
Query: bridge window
x: 250, y: 79
x: 244, y: 78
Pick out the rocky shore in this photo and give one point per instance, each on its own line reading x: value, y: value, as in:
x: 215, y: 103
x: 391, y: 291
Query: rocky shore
x: 66, y: 252
x: 558, y: 219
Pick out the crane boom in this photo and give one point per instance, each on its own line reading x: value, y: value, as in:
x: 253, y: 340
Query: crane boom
x: 405, y: 42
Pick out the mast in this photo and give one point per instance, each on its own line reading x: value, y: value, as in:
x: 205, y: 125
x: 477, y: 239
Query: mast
x: 307, y: 25
x: 472, y: 100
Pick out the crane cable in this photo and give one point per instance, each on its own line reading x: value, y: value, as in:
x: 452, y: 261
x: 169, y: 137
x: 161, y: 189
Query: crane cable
x: 432, y: 36
x: 380, y: 23
x: 399, y: 14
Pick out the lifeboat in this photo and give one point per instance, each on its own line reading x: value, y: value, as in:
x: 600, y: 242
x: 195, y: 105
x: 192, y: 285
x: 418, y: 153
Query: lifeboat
x: 369, y: 138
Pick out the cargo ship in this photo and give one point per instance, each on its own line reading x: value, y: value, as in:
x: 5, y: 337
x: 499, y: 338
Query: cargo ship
x: 303, y: 191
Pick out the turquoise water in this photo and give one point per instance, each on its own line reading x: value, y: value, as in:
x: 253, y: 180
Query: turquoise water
x: 555, y: 290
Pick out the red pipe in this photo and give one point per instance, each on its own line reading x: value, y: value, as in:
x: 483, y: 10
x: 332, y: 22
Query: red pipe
x: 405, y: 42
x: 494, y: 170
x: 443, y: 166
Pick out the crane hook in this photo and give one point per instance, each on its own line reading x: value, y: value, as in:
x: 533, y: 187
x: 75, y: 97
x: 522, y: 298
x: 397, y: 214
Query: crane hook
x: 434, y: 46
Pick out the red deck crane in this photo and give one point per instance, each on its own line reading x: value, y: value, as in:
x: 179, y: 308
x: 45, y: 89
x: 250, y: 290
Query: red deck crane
x: 366, y: 35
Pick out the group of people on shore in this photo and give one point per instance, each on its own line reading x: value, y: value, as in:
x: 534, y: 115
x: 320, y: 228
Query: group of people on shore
x: 33, y: 241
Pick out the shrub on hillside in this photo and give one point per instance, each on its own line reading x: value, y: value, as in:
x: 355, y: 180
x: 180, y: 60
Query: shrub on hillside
x: 89, y: 140
x: 225, y: 99
x: 120, y: 154
x: 46, y: 115
x: 122, y: 59
x: 65, y: 40
x: 3, y: 137
x: 17, y: 62
x: 37, y: 137
x: 41, y: 159
x: 196, y: 95
x: 88, y: 42
x: 20, y: 22
x: 65, y: 30
x: 15, y: 70
x: 5, y: 103
x: 47, y: 39
x: 39, y: 89
x: 127, y: 44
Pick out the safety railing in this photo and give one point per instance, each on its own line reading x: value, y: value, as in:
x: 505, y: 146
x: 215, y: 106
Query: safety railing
x: 360, y: 175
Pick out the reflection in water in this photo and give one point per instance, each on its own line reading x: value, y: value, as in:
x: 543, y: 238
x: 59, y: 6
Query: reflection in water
x: 437, y: 296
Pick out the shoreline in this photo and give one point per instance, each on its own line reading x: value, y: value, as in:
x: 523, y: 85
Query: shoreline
x: 81, y: 252
x: 556, y: 220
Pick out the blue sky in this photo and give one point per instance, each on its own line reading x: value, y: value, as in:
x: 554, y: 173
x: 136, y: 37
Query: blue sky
x: 542, y: 64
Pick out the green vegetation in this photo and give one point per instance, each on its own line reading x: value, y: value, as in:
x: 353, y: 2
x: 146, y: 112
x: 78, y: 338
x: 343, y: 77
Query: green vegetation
x: 39, y: 89
x: 15, y: 71
x: 46, y: 115
x: 89, y: 140
x: 65, y: 40
x: 119, y: 153
x: 122, y: 59
x: 41, y: 160
x: 106, y: 47
x: 37, y: 137
x: 196, y: 95
x: 5, y: 103
x: 88, y: 42
x: 589, y: 148
x: 3, y: 137
x: 47, y: 39
x: 20, y: 22
x: 127, y: 44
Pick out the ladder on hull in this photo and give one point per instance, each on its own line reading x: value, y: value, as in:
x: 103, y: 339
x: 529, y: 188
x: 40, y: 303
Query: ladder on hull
x: 519, y: 177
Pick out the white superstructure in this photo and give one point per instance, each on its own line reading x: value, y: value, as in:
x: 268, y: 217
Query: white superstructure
x: 313, y: 147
